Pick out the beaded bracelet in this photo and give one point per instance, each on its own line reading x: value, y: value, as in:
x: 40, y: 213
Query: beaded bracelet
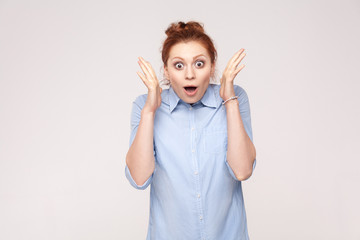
x: 230, y: 99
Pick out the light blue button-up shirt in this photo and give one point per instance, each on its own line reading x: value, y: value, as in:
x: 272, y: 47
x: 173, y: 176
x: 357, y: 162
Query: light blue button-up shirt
x: 194, y: 193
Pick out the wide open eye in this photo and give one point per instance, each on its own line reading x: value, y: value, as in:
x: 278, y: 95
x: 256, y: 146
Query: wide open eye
x: 199, y: 63
x: 179, y: 65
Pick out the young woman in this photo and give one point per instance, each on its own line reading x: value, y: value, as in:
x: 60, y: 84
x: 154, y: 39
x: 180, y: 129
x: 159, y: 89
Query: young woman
x: 192, y: 142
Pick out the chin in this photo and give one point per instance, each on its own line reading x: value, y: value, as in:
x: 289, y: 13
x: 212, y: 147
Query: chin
x: 195, y: 98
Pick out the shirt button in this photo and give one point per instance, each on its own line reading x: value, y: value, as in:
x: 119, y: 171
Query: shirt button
x: 193, y: 150
x: 190, y: 108
x: 201, y: 217
x: 198, y: 195
x: 196, y: 172
x: 192, y: 129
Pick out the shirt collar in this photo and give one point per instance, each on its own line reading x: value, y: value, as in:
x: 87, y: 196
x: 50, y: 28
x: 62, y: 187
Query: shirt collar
x: 210, y: 98
x: 173, y: 99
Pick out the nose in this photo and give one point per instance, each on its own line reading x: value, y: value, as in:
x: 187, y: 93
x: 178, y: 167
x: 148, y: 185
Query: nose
x: 190, y: 74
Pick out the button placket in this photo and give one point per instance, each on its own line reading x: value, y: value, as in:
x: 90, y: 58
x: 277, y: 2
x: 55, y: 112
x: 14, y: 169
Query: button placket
x: 194, y: 155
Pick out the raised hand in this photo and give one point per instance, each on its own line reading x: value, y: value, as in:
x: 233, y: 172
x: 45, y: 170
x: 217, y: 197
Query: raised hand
x: 229, y: 74
x: 149, y: 78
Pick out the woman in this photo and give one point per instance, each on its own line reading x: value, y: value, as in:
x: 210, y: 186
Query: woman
x: 192, y: 142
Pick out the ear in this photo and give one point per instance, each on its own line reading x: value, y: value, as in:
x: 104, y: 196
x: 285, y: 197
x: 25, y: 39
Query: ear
x: 212, y: 71
x: 166, y: 72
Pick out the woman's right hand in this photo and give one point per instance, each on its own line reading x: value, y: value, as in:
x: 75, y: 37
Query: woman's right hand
x: 149, y: 78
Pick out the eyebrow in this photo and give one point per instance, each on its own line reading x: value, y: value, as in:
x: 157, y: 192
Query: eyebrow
x: 193, y: 57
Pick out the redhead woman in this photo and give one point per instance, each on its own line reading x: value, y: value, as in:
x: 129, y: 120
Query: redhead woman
x: 192, y: 142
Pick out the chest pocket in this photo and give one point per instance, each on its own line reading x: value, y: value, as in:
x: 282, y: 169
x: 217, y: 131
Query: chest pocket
x: 215, y: 140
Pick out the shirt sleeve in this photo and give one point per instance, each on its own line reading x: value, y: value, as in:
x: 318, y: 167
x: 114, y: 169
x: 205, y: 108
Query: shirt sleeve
x: 244, y: 107
x: 137, y: 106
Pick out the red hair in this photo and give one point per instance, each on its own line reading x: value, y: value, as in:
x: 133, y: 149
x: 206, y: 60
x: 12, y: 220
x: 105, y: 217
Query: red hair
x: 185, y: 32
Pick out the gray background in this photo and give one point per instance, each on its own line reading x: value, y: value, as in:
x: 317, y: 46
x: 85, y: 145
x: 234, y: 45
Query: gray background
x: 68, y: 79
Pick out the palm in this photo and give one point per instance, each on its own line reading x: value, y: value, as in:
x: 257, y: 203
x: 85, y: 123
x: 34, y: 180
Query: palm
x: 227, y: 80
x: 150, y: 80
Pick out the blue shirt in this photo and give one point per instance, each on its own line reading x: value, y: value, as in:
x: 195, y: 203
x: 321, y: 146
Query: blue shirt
x: 194, y: 193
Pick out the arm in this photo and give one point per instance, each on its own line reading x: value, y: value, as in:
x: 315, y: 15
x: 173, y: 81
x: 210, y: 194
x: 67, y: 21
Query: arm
x: 140, y: 157
x: 241, y: 151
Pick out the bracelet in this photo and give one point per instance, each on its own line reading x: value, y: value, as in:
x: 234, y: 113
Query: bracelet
x: 230, y: 99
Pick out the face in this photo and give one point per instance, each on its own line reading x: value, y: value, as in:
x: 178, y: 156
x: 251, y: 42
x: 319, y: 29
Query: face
x: 189, y: 70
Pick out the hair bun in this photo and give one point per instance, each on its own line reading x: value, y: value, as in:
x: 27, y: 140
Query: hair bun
x: 181, y: 26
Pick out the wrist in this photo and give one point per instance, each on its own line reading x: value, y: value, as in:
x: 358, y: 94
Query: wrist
x: 231, y: 103
x: 147, y: 112
x: 230, y: 99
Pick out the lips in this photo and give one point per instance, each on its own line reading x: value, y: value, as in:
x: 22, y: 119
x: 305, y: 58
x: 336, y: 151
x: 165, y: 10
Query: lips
x: 190, y: 90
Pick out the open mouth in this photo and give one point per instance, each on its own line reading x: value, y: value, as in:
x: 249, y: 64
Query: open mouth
x: 190, y: 90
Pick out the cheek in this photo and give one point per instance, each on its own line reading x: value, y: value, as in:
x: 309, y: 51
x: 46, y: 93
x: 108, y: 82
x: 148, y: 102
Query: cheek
x: 204, y: 75
x: 175, y: 76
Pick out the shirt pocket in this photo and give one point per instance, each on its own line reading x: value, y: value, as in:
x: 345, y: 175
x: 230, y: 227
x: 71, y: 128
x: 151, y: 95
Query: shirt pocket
x: 215, y: 140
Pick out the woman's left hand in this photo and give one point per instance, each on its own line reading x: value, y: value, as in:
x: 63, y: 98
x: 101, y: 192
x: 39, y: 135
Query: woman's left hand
x: 229, y: 74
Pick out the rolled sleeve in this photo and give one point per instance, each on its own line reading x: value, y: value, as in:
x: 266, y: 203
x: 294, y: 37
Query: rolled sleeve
x: 137, y: 106
x: 244, y: 107
x: 231, y: 171
x: 132, y: 181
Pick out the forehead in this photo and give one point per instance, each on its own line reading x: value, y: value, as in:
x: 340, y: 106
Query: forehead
x: 187, y: 50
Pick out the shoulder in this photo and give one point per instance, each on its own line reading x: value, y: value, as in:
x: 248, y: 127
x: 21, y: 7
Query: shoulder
x: 140, y: 100
x: 241, y: 93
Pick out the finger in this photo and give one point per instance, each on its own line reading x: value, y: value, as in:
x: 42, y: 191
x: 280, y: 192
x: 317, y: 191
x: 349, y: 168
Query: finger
x: 237, y: 54
x: 144, y: 69
x: 143, y: 78
x: 151, y: 69
x: 151, y: 85
x: 238, y: 57
x: 235, y: 57
x: 149, y: 75
x: 241, y: 57
x: 148, y: 67
x: 239, y: 69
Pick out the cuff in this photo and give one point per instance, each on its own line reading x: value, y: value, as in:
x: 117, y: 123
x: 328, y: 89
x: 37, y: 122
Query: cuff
x: 132, y: 181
